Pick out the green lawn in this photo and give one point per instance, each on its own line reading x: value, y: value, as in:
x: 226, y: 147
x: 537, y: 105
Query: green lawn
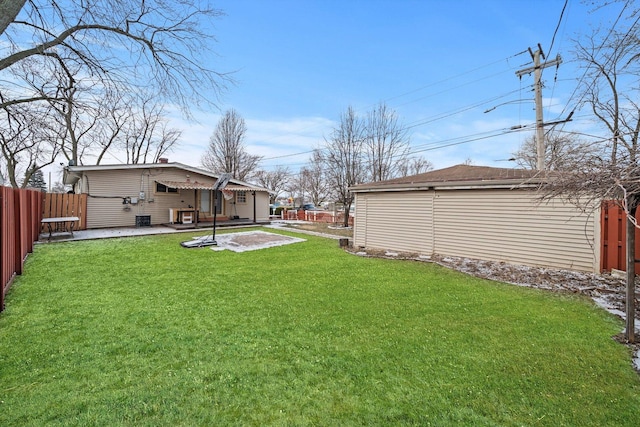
x: 142, y: 332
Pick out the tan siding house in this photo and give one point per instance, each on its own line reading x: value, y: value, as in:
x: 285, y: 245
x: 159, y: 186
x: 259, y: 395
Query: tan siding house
x: 476, y: 212
x: 120, y: 195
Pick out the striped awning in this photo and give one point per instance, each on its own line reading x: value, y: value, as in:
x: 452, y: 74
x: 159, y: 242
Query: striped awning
x: 186, y: 185
x: 195, y: 185
x: 241, y: 188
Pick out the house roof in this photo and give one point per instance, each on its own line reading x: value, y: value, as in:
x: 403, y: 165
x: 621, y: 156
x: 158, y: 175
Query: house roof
x: 72, y: 174
x: 459, y: 176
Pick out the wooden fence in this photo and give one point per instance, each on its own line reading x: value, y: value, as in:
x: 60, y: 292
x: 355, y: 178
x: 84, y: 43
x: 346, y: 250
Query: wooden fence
x: 20, y: 216
x: 613, y: 237
x: 315, y: 216
x: 56, y: 205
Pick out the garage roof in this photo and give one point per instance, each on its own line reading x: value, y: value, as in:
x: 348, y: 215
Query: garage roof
x: 460, y: 176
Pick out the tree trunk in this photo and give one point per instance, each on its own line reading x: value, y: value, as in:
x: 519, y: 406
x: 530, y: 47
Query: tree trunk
x: 9, y: 9
x: 631, y: 272
x: 347, y: 209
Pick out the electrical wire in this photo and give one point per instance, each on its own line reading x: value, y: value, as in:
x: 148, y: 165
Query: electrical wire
x: 553, y: 39
x: 474, y: 70
x: 440, y: 82
x: 555, y: 33
x: 420, y: 122
x: 587, y: 69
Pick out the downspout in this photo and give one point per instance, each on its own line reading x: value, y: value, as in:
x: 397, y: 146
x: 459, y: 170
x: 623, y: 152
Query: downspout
x: 254, y: 206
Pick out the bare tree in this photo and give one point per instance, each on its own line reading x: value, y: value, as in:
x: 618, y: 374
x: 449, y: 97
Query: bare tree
x: 562, y: 151
x: 343, y: 158
x: 156, y: 43
x: 386, y: 142
x: 3, y: 174
x: 275, y: 180
x: 9, y: 9
x: 27, y: 142
x: 71, y: 55
x: 94, y: 119
x: 147, y: 136
x: 59, y: 187
x: 226, y: 152
x: 611, y: 93
x: 414, y: 166
x: 296, y: 190
x: 313, y: 179
x: 78, y: 115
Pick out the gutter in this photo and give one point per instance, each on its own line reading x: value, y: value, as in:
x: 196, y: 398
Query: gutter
x: 454, y: 185
x: 70, y: 178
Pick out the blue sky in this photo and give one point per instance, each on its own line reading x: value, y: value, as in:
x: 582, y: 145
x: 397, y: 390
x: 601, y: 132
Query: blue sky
x: 439, y: 64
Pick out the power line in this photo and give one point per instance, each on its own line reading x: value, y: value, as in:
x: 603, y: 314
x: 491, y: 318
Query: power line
x: 435, y: 145
x: 553, y: 39
x: 587, y: 69
x: 288, y: 155
x: 452, y: 88
x: 437, y: 83
x: 441, y: 116
x: 429, y: 95
x: 421, y: 122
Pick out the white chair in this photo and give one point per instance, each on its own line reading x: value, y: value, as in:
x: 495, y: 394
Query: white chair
x: 187, y: 218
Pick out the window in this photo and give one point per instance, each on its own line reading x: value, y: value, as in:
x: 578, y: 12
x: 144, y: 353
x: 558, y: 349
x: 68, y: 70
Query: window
x: 241, y: 197
x: 161, y: 188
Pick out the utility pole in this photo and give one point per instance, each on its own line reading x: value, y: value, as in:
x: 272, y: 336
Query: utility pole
x: 537, y: 73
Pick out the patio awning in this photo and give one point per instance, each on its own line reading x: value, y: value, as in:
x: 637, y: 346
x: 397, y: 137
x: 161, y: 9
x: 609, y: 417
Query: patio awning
x: 241, y: 188
x: 195, y: 185
x: 186, y: 185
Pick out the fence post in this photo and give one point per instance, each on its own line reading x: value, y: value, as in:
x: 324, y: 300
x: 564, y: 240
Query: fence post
x: 2, y: 239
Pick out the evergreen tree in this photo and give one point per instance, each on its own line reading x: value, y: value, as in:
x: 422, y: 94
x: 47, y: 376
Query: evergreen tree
x: 36, y: 181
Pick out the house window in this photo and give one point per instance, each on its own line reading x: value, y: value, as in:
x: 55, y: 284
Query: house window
x: 161, y: 188
x: 241, y: 197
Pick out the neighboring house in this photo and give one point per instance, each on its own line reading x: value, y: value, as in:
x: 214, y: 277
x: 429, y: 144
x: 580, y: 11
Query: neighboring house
x: 161, y: 193
x: 476, y: 212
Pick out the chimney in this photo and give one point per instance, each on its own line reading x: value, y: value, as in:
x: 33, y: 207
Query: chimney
x: 163, y: 160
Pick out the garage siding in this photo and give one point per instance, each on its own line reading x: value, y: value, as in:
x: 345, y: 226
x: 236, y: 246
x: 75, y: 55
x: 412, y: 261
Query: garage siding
x: 511, y: 226
x: 492, y: 224
x: 401, y: 221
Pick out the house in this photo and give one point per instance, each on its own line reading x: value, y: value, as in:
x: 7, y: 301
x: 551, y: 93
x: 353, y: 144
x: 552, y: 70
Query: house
x: 476, y: 212
x: 162, y: 193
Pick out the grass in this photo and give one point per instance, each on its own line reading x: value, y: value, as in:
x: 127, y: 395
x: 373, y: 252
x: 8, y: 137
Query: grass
x: 322, y: 227
x: 140, y: 331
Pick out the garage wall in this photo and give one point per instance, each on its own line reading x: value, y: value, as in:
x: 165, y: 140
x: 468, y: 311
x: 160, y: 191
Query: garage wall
x: 492, y: 224
x: 401, y: 221
x: 511, y: 226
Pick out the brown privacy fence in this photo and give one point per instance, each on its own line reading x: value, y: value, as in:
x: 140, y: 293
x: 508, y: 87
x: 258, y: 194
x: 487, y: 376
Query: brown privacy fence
x: 57, y: 205
x: 20, y: 216
x: 613, y: 237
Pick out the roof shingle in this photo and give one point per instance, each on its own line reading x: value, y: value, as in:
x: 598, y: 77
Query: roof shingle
x: 459, y: 174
